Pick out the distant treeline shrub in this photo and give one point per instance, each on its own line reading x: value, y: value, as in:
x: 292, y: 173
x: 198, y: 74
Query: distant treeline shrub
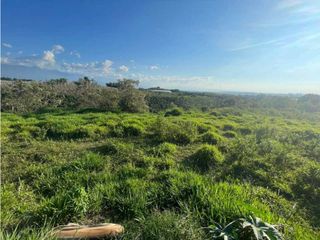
x: 33, y: 96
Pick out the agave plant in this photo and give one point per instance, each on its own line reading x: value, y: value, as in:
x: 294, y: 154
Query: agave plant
x: 252, y: 228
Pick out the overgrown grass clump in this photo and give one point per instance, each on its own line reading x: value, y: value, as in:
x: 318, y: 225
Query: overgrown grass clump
x: 205, y: 158
x: 211, y: 138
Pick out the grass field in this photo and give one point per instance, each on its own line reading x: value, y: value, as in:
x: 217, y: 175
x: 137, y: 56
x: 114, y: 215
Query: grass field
x: 171, y: 177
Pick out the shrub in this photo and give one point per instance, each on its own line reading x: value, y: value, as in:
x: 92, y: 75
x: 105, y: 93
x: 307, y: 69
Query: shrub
x: 173, y: 112
x: 211, y: 138
x: 206, y: 157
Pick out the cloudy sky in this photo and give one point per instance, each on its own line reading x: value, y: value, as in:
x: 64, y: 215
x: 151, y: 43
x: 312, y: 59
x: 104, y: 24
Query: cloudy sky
x: 248, y: 45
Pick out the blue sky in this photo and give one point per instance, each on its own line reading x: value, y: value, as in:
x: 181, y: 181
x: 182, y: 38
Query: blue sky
x: 241, y: 45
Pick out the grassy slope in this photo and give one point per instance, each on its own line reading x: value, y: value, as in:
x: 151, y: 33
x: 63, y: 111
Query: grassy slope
x: 100, y: 167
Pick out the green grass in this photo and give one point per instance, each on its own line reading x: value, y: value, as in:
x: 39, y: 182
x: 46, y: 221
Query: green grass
x: 161, y: 177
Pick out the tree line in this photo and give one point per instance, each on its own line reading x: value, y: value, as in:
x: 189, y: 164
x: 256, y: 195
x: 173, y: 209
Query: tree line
x: 25, y: 95
x: 22, y: 97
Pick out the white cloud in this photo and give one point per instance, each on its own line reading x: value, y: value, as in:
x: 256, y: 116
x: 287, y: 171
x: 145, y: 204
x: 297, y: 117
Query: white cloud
x: 180, y: 82
x: 153, y: 67
x: 4, y: 60
x: 7, y: 45
x: 47, y: 61
x: 92, y: 69
x: 49, y: 57
x: 106, y: 67
x: 57, y: 49
x: 299, y: 7
x: 75, y: 53
x: 288, y: 4
x: 302, y: 39
x: 123, y: 68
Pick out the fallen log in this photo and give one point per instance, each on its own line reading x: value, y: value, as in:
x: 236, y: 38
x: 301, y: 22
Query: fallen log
x: 76, y: 231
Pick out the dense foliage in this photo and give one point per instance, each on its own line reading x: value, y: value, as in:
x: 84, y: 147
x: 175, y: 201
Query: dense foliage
x: 177, y: 176
x: 33, y: 96
x: 25, y: 96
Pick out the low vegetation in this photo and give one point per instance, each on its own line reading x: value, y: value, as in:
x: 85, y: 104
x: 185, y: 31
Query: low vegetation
x: 162, y: 176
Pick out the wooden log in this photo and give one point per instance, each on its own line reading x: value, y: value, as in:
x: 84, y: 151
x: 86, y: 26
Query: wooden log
x: 75, y: 231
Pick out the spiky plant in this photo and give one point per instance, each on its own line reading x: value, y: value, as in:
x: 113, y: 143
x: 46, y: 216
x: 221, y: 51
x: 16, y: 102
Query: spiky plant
x: 252, y: 228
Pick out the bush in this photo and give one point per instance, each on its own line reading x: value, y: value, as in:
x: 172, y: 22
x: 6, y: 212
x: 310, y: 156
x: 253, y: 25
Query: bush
x: 173, y: 112
x: 206, y: 157
x: 211, y: 138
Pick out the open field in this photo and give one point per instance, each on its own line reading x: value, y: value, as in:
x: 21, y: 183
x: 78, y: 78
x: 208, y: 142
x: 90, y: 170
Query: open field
x: 160, y: 120
x: 170, y: 177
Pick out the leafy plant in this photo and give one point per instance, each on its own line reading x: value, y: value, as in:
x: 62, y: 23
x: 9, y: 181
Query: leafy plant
x: 252, y: 228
